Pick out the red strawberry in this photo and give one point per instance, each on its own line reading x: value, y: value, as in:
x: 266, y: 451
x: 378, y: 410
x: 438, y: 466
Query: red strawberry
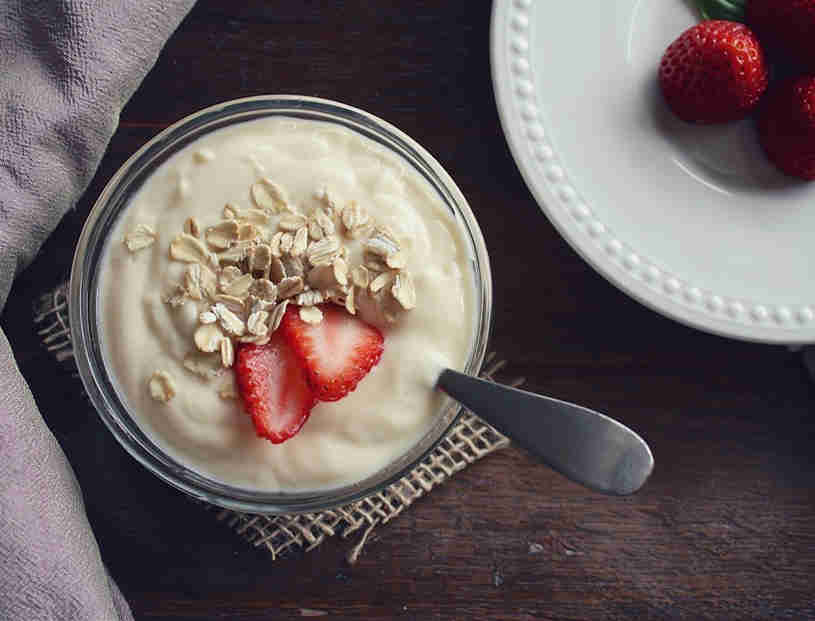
x: 274, y: 388
x: 786, y: 127
x: 713, y: 73
x: 337, y: 352
x: 787, y: 26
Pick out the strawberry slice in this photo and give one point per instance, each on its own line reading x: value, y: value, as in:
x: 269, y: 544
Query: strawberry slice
x: 337, y: 352
x: 274, y: 388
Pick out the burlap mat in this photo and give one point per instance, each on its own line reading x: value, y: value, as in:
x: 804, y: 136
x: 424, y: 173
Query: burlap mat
x: 469, y: 440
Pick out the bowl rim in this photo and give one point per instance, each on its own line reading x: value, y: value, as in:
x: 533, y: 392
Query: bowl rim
x: 83, y: 299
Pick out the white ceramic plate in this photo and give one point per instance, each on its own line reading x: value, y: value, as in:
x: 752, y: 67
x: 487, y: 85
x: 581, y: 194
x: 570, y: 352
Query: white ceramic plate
x: 691, y: 221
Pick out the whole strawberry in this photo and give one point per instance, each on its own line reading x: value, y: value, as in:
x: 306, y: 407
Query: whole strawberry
x: 714, y: 72
x: 787, y: 26
x: 786, y: 127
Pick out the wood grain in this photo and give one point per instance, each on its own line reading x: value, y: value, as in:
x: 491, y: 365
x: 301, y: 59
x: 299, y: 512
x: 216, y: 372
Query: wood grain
x: 725, y: 528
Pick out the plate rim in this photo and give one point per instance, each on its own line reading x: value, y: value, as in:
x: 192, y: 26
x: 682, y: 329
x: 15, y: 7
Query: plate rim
x: 514, y: 89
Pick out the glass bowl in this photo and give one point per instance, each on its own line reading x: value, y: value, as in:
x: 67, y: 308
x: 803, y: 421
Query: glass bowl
x: 83, y: 302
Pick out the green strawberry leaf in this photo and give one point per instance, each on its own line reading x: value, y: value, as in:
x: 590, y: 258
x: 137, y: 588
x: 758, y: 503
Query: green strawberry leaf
x: 732, y: 10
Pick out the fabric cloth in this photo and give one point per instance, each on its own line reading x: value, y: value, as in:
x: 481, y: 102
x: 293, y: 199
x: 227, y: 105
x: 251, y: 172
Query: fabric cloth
x: 67, y: 67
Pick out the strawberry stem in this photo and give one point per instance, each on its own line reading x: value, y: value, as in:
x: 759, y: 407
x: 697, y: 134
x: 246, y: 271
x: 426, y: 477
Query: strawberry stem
x: 732, y: 10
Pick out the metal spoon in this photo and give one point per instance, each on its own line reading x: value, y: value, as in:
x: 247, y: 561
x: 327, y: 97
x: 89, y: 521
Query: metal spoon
x: 586, y: 446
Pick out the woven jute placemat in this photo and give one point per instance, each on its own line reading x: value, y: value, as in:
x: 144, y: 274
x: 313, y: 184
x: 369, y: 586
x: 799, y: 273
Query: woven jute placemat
x: 469, y: 440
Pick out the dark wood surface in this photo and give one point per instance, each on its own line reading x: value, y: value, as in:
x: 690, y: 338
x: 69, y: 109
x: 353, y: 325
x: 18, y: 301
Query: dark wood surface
x: 724, y: 530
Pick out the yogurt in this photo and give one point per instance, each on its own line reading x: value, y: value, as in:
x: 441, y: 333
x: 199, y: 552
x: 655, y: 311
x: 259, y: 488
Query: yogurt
x: 202, y: 425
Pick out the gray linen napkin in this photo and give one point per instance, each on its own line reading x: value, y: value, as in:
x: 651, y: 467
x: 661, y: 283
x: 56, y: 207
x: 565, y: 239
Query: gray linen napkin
x: 66, y: 69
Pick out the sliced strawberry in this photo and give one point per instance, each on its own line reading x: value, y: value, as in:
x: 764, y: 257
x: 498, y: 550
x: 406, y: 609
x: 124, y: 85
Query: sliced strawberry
x: 274, y: 388
x: 337, y: 352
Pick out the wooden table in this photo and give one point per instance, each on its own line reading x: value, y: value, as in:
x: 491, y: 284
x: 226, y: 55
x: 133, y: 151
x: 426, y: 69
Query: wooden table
x: 724, y: 530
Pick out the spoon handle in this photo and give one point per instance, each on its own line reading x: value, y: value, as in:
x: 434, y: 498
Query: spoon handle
x: 586, y: 446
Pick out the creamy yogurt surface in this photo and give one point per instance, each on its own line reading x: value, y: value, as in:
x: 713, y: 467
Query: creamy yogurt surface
x: 343, y: 441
